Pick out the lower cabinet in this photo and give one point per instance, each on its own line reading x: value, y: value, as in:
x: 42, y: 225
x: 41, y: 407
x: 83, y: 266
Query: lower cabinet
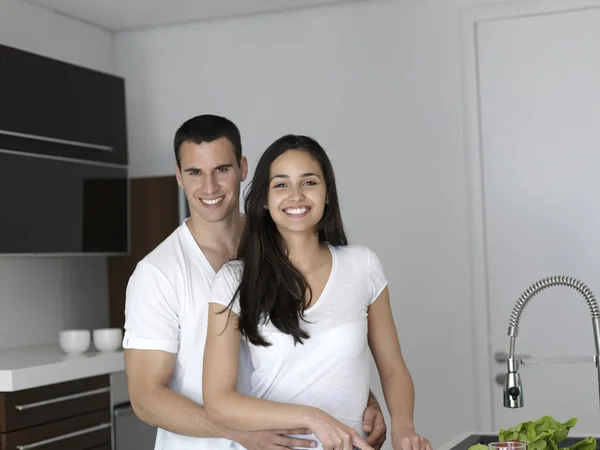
x: 67, y: 416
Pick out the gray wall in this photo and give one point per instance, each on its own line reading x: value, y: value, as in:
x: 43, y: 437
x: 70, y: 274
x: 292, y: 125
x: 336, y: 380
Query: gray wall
x: 39, y: 296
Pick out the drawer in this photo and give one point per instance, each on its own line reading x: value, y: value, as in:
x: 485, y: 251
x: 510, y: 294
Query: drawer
x: 85, y: 432
x: 30, y: 407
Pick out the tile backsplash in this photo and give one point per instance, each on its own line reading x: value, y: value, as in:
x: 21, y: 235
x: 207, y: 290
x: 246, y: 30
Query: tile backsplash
x: 39, y: 296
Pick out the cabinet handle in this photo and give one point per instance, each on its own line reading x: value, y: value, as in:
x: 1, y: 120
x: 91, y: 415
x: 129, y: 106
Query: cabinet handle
x: 62, y: 437
x: 61, y: 399
x: 105, y: 148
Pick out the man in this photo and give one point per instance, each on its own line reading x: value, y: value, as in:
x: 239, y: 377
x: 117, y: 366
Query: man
x: 167, y: 302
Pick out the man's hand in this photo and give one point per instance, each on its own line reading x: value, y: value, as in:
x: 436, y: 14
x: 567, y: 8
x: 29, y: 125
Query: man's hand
x: 408, y: 439
x: 374, y: 424
x: 273, y: 440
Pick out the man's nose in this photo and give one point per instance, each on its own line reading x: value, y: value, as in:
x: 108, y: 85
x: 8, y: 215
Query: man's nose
x: 210, y: 185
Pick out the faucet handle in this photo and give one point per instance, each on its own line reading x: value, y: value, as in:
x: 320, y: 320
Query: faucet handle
x: 502, y: 357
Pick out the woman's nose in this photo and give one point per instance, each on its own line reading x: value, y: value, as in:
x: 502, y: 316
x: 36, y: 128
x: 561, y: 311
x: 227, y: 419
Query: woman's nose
x: 296, y: 194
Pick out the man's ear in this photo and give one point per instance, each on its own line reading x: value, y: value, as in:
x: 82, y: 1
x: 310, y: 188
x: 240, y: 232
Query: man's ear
x: 244, y: 167
x: 178, y: 176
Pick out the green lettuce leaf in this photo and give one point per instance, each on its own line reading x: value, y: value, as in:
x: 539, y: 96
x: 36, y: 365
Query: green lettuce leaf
x: 485, y: 447
x: 588, y: 443
x: 543, y: 434
x: 546, y: 433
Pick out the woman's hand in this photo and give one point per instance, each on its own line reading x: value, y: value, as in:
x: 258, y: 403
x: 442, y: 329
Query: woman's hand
x: 334, y: 435
x: 408, y: 439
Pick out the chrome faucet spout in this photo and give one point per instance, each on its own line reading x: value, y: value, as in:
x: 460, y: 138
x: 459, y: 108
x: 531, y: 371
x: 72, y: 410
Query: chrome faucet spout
x: 513, y: 389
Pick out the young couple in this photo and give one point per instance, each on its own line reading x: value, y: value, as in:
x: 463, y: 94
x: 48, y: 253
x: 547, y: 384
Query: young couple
x: 255, y: 329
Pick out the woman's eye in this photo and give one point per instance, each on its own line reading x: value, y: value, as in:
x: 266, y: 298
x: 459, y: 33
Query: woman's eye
x: 310, y: 183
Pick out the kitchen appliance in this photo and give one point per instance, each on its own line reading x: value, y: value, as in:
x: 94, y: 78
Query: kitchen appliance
x: 129, y: 432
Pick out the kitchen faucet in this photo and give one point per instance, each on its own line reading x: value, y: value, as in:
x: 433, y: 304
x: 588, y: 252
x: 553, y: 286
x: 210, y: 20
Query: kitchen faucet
x: 513, y: 390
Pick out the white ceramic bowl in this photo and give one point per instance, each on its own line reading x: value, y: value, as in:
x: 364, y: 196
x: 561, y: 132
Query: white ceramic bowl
x: 108, y: 339
x: 74, y: 342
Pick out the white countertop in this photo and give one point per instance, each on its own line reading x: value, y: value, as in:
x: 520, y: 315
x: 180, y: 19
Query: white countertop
x: 29, y: 367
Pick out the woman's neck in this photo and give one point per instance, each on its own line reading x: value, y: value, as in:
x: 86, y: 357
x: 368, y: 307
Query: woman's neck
x: 304, y: 250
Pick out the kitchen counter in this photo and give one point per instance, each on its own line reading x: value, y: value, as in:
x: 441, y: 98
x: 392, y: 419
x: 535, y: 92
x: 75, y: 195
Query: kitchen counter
x: 452, y: 443
x: 29, y: 367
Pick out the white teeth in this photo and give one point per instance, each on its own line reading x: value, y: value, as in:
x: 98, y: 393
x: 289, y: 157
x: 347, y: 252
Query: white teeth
x: 296, y: 210
x: 212, y: 202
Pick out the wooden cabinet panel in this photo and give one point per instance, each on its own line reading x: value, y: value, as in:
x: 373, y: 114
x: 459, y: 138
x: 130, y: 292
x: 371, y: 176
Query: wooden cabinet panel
x: 82, y: 432
x: 29, y: 407
x: 154, y: 206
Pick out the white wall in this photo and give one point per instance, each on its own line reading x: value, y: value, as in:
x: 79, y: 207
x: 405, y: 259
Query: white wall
x: 379, y: 85
x: 39, y: 296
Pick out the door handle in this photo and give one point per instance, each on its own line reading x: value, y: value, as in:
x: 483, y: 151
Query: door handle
x: 502, y: 357
x: 500, y: 379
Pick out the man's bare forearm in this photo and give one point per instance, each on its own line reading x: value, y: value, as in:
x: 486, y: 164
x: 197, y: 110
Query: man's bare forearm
x: 171, y: 411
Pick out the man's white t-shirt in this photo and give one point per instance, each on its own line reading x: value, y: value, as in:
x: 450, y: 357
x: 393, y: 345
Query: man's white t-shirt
x: 331, y: 370
x: 167, y: 309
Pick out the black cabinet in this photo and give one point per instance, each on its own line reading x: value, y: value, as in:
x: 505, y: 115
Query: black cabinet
x: 63, y: 158
x: 52, y: 107
x: 62, y: 206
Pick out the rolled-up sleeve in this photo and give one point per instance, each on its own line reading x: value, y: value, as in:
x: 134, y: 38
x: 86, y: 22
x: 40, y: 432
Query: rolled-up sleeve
x: 151, y: 311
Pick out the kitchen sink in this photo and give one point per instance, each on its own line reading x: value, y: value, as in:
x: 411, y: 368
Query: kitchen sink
x: 489, y: 438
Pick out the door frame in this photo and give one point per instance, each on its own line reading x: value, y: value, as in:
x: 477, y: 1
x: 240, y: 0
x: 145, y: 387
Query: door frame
x: 470, y: 17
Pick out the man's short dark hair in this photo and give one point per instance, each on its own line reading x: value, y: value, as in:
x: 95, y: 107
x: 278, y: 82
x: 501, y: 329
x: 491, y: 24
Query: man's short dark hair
x: 207, y: 128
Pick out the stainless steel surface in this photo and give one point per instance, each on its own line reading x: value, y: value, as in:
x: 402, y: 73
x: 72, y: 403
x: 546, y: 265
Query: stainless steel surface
x: 118, y: 388
x: 62, y: 399
x: 130, y: 432
x: 62, y: 437
x: 502, y: 357
x: 513, y: 389
x: 563, y: 360
x: 124, y: 412
x: 105, y: 148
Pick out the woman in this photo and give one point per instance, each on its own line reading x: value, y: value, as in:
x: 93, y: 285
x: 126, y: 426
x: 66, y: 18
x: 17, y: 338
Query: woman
x: 307, y: 304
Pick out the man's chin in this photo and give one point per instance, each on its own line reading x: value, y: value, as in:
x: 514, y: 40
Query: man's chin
x: 216, y: 216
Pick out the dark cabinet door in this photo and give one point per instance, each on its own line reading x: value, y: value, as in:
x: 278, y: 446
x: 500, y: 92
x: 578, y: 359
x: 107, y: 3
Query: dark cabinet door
x: 51, y: 205
x: 52, y: 107
x: 82, y: 432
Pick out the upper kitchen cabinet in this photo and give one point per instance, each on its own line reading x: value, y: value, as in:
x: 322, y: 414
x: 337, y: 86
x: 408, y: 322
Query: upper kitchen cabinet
x: 59, y: 109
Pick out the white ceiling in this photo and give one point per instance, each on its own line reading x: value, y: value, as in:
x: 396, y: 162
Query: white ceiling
x: 118, y: 15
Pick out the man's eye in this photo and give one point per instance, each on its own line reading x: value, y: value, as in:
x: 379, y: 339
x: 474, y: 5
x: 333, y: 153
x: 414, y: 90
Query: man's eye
x: 223, y: 170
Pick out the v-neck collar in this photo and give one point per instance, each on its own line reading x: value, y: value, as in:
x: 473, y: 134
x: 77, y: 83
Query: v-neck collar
x: 327, y: 287
x: 197, y: 250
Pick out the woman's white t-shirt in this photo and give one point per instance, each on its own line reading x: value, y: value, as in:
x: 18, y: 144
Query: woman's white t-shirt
x: 331, y: 369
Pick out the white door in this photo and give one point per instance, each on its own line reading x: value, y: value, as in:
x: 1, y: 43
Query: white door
x: 539, y: 118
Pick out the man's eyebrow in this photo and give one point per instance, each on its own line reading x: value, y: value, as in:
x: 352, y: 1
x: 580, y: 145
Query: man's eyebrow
x: 195, y: 169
